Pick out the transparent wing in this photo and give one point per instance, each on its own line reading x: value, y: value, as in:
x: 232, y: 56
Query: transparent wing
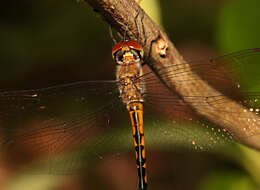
x: 226, y: 73
x: 76, y: 118
x: 48, y: 122
x: 234, y: 76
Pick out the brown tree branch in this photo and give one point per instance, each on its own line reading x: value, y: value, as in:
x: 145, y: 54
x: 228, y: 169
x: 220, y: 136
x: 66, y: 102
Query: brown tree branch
x: 120, y: 14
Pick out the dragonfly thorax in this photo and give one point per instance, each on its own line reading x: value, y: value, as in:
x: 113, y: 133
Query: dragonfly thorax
x: 128, y: 56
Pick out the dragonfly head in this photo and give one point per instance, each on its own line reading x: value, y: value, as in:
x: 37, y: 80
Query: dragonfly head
x: 125, y: 49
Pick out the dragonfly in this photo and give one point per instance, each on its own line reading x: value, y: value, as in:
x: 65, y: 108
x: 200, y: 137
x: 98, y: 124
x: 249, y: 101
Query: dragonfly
x: 69, y: 117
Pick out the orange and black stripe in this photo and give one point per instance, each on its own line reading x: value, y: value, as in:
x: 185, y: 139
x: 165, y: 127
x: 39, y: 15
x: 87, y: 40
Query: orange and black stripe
x: 136, y: 114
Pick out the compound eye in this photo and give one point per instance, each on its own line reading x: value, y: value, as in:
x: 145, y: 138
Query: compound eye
x: 141, y: 53
x: 138, y: 54
x: 119, y: 57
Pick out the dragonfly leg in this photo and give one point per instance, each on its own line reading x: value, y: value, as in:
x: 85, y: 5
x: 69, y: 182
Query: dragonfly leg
x: 144, y: 33
x: 138, y: 28
x: 150, y: 49
x: 114, y: 41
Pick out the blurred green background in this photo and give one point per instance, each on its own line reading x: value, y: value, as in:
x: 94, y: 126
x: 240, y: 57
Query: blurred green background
x: 49, y: 42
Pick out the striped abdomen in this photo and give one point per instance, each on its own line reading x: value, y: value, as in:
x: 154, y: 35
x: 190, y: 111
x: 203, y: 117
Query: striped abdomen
x: 136, y: 114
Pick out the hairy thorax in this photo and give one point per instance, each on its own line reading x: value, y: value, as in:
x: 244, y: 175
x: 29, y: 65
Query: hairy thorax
x: 131, y: 87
